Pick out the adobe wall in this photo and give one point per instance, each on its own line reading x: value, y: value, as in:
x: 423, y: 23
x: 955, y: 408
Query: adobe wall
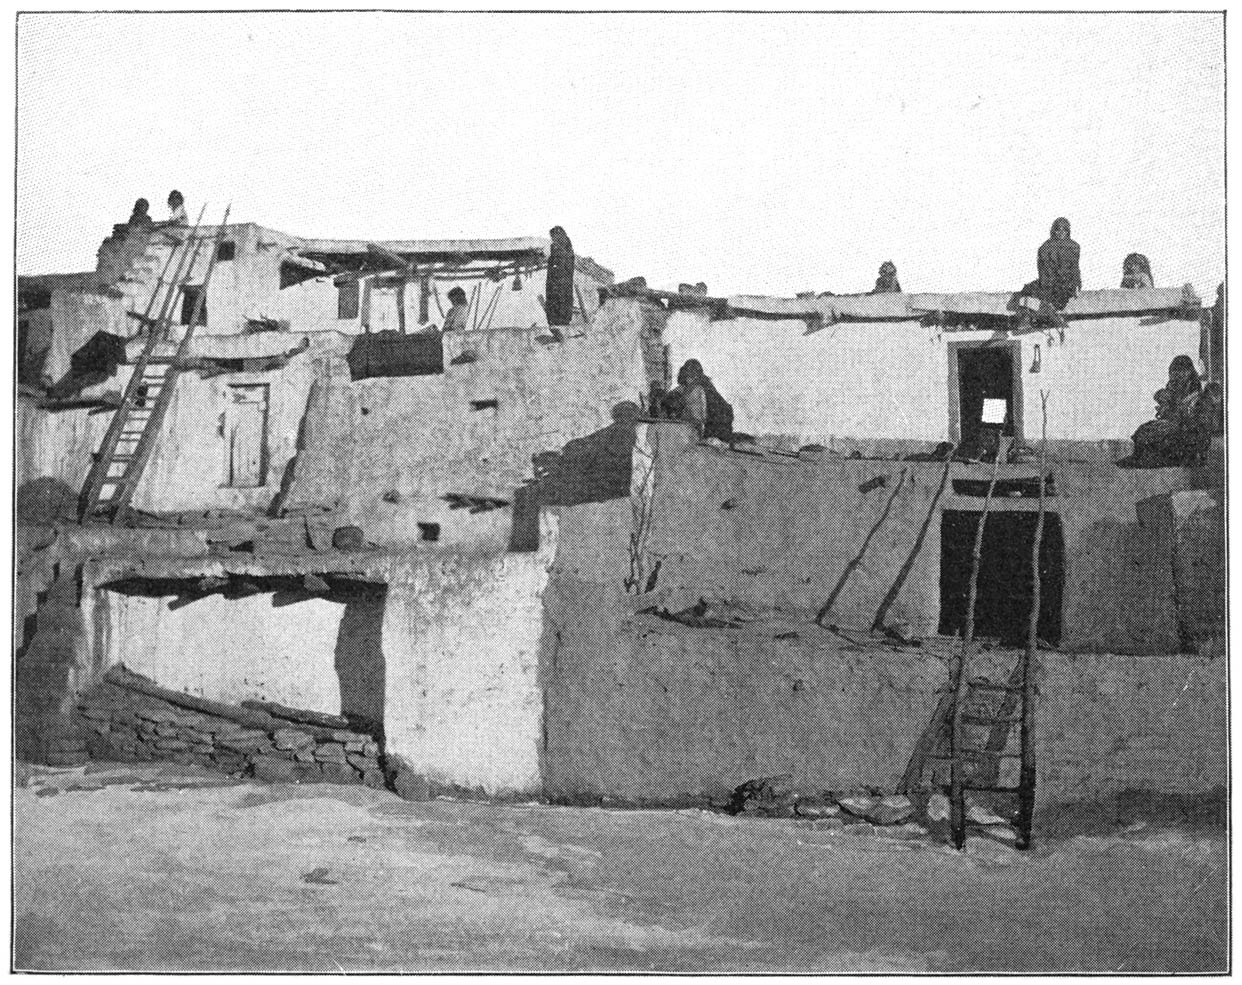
x: 57, y: 446
x: 228, y: 650
x: 367, y: 444
x: 889, y: 380
x: 188, y: 469
x: 646, y: 711
x: 76, y: 317
x: 443, y: 652
x: 1199, y: 565
x: 781, y: 532
x: 463, y: 692
x: 248, y: 287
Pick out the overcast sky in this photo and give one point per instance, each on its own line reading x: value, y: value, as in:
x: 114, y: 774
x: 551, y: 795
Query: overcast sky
x: 759, y: 153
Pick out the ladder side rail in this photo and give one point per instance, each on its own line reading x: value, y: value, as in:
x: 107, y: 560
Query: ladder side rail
x: 146, y: 443
x: 156, y: 330
x: 957, y: 798
x: 1026, y: 774
x: 97, y: 478
x: 182, y: 247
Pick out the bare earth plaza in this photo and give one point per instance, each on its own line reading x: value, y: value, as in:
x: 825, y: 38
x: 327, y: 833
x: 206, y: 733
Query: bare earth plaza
x: 395, y: 605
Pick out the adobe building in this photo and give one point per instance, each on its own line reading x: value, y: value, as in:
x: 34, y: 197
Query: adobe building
x: 462, y: 558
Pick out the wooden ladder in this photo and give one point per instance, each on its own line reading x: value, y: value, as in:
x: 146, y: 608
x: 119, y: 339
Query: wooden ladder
x: 131, y: 437
x: 971, y: 733
x: 969, y: 704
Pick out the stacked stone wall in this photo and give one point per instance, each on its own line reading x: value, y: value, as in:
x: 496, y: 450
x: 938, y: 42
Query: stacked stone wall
x: 128, y: 718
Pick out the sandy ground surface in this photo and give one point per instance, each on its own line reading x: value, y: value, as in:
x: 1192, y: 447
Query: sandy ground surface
x: 157, y: 868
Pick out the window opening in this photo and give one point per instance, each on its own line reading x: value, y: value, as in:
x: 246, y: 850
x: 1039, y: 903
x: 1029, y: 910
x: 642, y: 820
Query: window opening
x: 347, y: 296
x: 429, y: 531
x: 189, y: 297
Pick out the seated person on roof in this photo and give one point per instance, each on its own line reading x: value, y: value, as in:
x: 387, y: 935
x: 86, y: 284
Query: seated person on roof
x: 455, y: 317
x: 1182, y: 430
x: 695, y: 399
x: 140, y: 218
x: 1136, y: 272
x: 1059, y: 277
x: 887, y: 283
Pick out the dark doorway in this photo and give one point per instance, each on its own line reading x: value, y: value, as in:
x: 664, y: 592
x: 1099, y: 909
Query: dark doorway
x: 190, y: 294
x: 985, y: 372
x: 1003, y: 603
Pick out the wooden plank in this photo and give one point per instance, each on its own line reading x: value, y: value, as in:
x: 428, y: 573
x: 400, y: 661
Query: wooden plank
x: 476, y: 249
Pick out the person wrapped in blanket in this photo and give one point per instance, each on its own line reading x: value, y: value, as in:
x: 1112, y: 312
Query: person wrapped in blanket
x: 887, y: 282
x: 696, y: 399
x: 1059, y: 276
x: 1181, y: 432
x: 1136, y: 272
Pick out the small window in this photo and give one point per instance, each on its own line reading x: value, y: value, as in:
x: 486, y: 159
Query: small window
x: 189, y: 297
x: 429, y: 531
x: 347, y: 300
x: 226, y: 250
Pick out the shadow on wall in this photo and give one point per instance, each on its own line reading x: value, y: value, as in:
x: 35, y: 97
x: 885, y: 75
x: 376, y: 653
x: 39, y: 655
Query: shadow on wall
x: 594, y: 468
x: 359, y: 657
x: 45, y: 501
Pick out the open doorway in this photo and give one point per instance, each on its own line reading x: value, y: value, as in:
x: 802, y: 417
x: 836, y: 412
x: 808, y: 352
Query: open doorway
x: 1005, y: 587
x: 979, y: 371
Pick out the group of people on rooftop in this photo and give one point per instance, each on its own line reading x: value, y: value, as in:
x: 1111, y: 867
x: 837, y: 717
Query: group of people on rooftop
x: 1059, y: 277
x: 140, y: 218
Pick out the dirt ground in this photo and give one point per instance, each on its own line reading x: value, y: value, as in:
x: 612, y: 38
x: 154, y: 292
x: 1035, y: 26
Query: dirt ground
x: 159, y: 868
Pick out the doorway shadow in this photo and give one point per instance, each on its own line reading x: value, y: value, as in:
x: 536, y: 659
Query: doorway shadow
x: 359, y: 657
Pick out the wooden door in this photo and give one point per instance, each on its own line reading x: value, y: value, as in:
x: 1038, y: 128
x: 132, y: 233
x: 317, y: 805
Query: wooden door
x: 246, y: 434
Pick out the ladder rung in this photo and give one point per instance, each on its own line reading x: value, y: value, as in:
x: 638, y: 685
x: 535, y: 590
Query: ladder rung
x: 981, y: 788
x: 990, y: 720
x: 975, y: 754
x: 993, y: 686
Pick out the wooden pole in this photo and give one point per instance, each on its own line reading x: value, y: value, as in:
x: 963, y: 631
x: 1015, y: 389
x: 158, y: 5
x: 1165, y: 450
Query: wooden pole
x: 1026, y: 776
x: 957, y: 799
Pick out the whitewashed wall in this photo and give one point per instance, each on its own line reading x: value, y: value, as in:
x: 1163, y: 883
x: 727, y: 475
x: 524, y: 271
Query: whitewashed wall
x: 890, y: 379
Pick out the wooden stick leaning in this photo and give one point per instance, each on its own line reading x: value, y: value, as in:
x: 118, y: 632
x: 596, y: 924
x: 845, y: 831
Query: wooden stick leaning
x: 1026, y: 776
x: 957, y: 798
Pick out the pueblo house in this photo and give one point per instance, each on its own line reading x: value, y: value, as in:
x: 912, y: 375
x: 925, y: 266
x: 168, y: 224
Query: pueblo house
x: 342, y: 545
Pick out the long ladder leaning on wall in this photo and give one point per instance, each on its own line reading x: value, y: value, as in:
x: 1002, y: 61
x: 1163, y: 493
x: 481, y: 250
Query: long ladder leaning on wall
x: 978, y: 703
x: 135, y: 427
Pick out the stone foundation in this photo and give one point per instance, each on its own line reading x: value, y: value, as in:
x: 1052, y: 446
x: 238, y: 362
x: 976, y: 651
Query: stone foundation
x: 128, y: 718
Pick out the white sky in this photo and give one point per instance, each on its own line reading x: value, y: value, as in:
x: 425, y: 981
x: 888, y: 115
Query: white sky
x: 760, y: 153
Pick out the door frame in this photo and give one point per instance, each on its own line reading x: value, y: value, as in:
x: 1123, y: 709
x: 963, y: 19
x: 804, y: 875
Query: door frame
x: 264, y: 462
x: 955, y: 399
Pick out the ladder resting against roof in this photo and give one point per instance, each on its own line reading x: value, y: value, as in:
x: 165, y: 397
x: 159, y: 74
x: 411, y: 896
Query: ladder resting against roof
x: 972, y: 726
x: 131, y: 436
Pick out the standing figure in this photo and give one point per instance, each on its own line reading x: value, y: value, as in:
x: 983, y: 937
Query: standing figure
x: 559, y: 302
x: 455, y: 318
x: 886, y: 283
x: 1059, y: 277
x: 1136, y: 272
x: 176, y: 209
